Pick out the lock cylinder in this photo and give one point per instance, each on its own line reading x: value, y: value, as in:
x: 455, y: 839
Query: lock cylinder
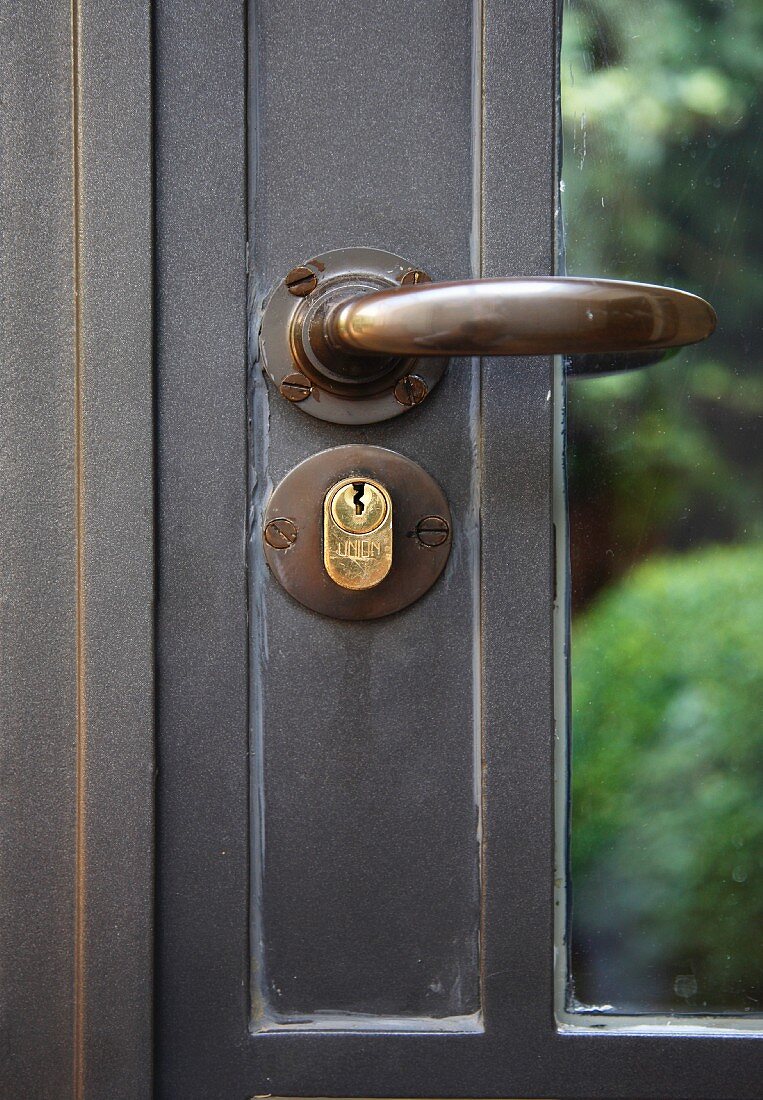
x: 357, y: 533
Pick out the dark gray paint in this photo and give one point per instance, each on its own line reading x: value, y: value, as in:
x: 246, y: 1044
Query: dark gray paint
x: 37, y: 578
x: 364, y: 732
x: 116, y: 348
x: 205, y: 1049
x: 47, y: 983
x: 202, y: 831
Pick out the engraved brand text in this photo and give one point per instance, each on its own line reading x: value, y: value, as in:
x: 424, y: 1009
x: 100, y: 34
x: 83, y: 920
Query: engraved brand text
x: 362, y: 549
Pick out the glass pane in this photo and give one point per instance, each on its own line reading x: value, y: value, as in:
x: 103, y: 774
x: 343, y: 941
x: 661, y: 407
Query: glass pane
x: 661, y: 183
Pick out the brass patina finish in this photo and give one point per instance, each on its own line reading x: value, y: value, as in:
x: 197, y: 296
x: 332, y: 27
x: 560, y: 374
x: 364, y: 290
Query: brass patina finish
x: 345, y: 331
x: 411, y: 390
x: 358, y: 506
x: 301, y: 281
x: 280, y: 533
x: 295, y: 387
x: 432, y: 531
x: 357, y: 533
x: 538, y: 316
x: 330, y: 486
x: 322, y: 379
x: 367, y: 335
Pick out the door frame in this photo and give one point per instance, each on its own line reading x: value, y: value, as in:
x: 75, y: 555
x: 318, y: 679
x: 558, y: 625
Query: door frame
x: 523, y: 1051
x: 77, y: 583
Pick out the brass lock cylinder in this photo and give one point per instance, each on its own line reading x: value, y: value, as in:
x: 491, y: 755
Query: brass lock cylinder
x: 357, y: 533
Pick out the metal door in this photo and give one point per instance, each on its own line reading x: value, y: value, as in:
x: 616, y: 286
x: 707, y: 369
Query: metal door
x: 356, y: 856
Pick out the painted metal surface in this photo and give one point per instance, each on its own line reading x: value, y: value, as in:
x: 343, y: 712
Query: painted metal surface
x: 76, y: 583
x: 366, y: 898
x: 38, y: 578
x: 201, y: 341
x: 395, y: 87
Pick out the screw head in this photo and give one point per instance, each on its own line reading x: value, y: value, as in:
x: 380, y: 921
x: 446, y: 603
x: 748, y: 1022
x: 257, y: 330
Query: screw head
x: 295, y: 387
x: 411, y: 390
x: 414, y: 277
x: 301, y: 281
x: 280, y: 533
x: 432, y: 531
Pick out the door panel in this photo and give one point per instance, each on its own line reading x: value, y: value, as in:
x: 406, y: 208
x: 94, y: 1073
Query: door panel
x: 367, y: 761
x: 365, y: 735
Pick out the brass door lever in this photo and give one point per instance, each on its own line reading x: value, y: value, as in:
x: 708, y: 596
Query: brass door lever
x: 537, y: 316
x: 359, y: 335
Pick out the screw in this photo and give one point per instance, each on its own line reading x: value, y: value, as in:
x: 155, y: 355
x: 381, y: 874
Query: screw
x: 295, y: 387
x: 280, y: 534
x: 411, y: 390
x: 414, y: 277
x: 301, y: 281
x: 432, y: 531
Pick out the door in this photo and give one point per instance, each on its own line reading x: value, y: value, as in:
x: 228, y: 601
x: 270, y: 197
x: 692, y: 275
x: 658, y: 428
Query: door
x: 357, y: 818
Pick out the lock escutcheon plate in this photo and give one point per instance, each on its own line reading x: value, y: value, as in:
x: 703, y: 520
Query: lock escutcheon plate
x: 300, y: 504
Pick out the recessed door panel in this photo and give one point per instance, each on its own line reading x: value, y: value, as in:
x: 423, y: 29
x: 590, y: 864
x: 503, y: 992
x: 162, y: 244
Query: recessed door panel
x: 365, y: 735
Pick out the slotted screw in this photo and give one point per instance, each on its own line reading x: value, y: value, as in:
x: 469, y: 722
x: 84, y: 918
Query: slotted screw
x: 432, y: 531
x: 411, y: 390
x: 414, y: 277
x: 301, y: 281
x: 295, y: 387
x: 281, y: 533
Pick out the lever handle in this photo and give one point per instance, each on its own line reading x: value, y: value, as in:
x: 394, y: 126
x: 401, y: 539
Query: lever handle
x: 521, y: 316
x: 358, y: 335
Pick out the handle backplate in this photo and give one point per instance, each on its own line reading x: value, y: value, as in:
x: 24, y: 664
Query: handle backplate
x: 341, y: 387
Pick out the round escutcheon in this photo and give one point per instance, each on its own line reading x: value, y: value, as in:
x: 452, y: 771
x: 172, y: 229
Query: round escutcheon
x: 293, y: 529
x: 316, y: 378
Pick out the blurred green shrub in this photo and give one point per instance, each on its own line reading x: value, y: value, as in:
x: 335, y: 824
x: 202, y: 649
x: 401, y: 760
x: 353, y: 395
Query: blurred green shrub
x: 667, y: 786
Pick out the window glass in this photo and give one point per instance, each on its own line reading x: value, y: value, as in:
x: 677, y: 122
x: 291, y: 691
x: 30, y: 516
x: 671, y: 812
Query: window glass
x: 662, y: 183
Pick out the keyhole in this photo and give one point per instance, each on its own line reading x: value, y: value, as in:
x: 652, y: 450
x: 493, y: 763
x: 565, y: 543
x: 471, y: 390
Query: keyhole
x: 357, y: 500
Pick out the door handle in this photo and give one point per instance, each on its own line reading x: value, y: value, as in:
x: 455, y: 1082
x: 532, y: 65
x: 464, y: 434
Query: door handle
x: 359, y: 335
x: 533, y: 316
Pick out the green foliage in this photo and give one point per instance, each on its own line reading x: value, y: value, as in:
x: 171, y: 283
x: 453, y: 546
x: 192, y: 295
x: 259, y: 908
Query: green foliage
x: 661, y: 112
x: 667, y: 795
